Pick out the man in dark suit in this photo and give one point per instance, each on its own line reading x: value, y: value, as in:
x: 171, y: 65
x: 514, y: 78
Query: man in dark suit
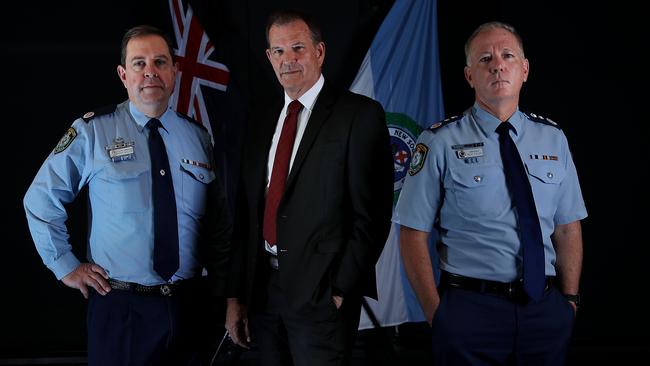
x: 313, y: 211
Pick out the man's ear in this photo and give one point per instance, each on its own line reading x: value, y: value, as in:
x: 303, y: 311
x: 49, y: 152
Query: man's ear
x: 526, y: 67
x: 468, y: 76
x: 320, y: 53
x: 121, y: 72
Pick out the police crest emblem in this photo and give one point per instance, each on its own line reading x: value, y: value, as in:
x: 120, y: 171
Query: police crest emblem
x: 403, y: 134
x: 419, y: 156
x: 66, y: 140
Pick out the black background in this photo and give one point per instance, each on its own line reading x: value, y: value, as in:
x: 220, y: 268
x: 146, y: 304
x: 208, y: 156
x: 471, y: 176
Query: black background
x: 587, y: 72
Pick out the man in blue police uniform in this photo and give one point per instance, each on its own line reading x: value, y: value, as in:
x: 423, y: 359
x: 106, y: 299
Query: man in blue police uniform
x: 155, y: 223
x: 510, y: 237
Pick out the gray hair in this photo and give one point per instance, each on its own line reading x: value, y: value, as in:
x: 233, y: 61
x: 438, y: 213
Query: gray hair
x: 489, y: 26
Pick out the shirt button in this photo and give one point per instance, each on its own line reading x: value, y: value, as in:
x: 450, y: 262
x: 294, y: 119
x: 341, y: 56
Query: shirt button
x: 477, y: 178
x: 549, y: 175
x: 162, y: 172
x: 201, y: 176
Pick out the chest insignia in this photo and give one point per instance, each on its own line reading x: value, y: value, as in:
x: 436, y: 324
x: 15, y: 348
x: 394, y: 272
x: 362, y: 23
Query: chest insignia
x: 543, y: 157
x: 197, y: 163
x: 120, y: 150
x: 467, y: 151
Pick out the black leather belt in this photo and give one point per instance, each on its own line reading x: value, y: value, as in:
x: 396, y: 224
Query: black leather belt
x: 166, y: 289
x: 511, y: 290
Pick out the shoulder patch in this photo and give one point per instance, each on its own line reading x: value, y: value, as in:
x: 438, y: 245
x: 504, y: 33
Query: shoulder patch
x: 434, y: 127
x: 99, y: 112
x: 191, y: 120
x: 66, y: 140
x: 419, y: 156
x: 538, y: 118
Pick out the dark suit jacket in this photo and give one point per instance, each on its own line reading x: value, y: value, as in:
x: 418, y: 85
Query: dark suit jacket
x: 334, y: 215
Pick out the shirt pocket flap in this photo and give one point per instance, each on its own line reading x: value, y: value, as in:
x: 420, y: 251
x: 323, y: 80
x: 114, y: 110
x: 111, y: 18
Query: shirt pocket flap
x: 547, y: 173
x: 201, y: 174
x: 475, y: 176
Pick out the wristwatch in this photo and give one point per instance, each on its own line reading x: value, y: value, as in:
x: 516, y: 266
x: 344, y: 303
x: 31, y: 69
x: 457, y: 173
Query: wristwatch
x: 574, y: 298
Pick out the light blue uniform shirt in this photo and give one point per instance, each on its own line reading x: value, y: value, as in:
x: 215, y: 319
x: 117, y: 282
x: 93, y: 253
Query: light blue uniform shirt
x: 457, y: 183
x: 121, y: 225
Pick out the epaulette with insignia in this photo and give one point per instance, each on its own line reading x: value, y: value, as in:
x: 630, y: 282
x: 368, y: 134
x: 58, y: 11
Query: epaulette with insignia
x: 191, y: 120
x: 538, y: 118
x: 434, y: 127
x: 99, y: 112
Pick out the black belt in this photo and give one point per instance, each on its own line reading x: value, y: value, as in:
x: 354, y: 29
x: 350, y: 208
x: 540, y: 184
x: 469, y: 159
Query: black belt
x: 511, y: 290
x: 166, y: 289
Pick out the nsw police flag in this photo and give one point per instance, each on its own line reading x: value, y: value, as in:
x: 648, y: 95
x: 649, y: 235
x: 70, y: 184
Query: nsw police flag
x: 401, y: 71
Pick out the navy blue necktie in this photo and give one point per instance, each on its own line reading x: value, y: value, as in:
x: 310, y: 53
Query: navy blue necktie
x: 165, y: 249
x: 530, y: 232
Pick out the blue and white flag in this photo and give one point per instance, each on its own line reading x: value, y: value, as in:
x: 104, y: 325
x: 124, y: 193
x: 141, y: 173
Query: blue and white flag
x: 402, y: 72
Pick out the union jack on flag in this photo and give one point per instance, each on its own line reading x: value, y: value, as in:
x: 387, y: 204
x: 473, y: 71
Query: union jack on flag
x: 195, y: 69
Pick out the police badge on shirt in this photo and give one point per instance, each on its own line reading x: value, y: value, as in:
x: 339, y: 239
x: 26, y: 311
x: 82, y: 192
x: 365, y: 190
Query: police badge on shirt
x: 121, y: 150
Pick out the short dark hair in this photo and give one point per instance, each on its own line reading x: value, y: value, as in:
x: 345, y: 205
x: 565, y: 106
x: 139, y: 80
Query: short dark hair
x: 286, y: 16
x: 141, y: 31
x: 489, y: 26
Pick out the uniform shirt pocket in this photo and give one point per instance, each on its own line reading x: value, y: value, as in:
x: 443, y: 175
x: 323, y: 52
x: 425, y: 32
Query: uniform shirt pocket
x: 548, y: 173
x: 545, y: 179
x: 479, y: 190
x: 124, y: 186
x: 195, y: 187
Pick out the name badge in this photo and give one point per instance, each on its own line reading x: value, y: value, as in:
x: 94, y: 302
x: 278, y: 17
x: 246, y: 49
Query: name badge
x: 120, y: 150
x: 469, y: 153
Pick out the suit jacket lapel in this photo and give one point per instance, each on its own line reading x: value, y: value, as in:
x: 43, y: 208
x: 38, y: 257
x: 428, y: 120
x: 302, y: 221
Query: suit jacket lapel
x: 322, y: 110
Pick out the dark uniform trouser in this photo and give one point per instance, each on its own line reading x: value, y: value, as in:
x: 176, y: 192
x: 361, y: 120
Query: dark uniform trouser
x: 472, y: 328
x: 126, y: 328
x: 322, y: 335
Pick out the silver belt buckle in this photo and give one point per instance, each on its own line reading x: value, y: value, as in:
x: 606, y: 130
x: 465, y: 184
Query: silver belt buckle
x: 165, y: 290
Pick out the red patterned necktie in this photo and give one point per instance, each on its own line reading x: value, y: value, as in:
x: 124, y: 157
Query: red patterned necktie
x: 280, y: 171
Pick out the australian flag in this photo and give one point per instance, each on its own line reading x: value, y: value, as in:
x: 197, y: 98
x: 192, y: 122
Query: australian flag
x: 196, y: 70
x: 202, y: 92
